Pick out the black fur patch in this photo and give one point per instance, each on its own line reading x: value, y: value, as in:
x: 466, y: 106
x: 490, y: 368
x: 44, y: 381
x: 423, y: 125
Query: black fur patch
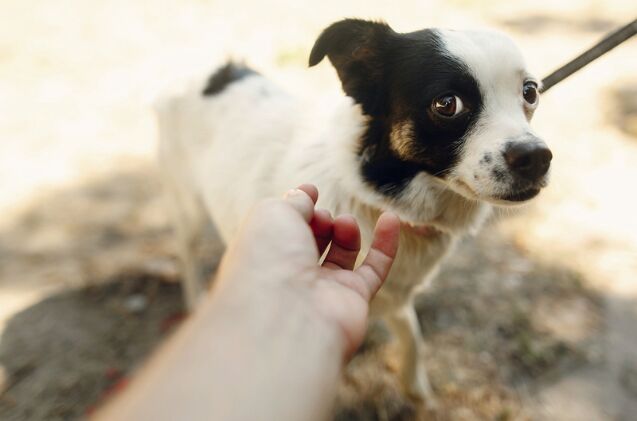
x: 379, y: 164
x: 396, y: 77
x: 356, y: 49
x: 224, y: 76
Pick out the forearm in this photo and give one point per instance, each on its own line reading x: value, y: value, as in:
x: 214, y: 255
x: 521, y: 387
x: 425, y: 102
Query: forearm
x: 239, y: 359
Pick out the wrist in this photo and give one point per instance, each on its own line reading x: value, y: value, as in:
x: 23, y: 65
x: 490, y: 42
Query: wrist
x: 287, y: 349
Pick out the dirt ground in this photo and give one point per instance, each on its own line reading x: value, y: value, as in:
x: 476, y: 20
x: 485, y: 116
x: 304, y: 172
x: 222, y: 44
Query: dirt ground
x: 535, y: 318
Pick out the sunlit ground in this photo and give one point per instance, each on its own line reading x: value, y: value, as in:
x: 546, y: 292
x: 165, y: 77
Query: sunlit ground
x: 77, y: 80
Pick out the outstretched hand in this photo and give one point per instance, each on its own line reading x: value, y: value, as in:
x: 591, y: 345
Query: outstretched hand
x: 280, y: 246
x: 267, y: 339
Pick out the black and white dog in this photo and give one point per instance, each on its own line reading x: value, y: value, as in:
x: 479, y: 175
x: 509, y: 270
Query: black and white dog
x: 434, y: 126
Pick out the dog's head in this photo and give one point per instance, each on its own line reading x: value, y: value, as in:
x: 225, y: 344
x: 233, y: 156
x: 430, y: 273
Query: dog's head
x: 455, y: 105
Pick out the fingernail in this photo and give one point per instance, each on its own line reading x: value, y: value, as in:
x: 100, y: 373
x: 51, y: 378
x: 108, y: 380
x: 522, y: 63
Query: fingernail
x: 293, y: 192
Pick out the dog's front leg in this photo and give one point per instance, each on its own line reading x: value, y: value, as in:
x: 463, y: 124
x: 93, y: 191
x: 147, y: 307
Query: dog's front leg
x: 413, y: 375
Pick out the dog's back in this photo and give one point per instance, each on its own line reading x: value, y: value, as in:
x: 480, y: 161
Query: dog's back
x: 221, y: 139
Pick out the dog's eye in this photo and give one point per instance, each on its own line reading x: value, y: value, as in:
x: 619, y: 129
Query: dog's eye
x: 448, y: 105
x: 529, y: 92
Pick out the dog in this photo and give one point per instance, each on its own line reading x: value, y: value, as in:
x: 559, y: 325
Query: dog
x: 434, y: 126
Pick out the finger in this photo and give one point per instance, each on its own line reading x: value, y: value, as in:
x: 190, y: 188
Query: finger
x: 346, y: 244
x: 310, y: 190
x: 301, y: 202
x: 322, y: 226
x: 381, y: 255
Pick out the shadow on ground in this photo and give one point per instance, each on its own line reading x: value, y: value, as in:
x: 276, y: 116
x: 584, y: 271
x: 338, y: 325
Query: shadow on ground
x: 66, y: 353
x: 498, y: 325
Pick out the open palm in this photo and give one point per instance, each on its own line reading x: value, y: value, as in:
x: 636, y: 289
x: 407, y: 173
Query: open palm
x: 276, y: 259
x: 342, y: 293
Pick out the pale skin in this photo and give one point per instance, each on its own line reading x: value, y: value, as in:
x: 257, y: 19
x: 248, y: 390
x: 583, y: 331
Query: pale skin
x: 271, y: 338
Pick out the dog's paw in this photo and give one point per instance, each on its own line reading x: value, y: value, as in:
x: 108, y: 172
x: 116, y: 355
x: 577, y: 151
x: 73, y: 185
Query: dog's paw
x: 419, y: 390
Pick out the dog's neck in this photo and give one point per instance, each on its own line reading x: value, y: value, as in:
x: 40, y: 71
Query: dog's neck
x: 424, y: 202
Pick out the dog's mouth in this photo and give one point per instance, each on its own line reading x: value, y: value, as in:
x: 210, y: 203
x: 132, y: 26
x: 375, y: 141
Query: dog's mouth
x: 521, y: 195
x: 513, y: 197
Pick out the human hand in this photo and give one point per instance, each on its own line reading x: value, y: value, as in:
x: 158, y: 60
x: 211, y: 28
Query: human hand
x: 278, y: 251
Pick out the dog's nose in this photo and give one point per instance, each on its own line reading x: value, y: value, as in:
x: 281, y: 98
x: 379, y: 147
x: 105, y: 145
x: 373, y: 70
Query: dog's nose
x: 528, y: 160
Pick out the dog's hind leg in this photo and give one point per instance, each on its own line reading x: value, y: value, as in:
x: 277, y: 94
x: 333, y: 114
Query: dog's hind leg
x: 190, y: 222
x: 189, y: 217
x: 404, y: 324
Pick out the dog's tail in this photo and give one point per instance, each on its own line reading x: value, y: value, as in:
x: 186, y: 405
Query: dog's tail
x: 224, y: 76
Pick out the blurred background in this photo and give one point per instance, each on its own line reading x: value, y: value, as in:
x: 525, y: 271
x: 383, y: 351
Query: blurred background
x: 535, y: 318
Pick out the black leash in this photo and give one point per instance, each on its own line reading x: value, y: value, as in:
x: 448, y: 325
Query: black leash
x: 609, y: 42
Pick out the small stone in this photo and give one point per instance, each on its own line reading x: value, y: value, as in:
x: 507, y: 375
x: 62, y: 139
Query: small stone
x: 136, y: 303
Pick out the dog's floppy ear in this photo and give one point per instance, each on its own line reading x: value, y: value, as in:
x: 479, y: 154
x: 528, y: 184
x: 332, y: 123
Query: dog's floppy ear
x: 357, y: 49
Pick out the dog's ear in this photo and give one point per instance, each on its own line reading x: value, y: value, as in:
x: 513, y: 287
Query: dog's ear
x: 358, y: 50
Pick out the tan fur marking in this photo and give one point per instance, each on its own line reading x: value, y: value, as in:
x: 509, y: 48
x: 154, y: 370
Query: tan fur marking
x: 402, y: 139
